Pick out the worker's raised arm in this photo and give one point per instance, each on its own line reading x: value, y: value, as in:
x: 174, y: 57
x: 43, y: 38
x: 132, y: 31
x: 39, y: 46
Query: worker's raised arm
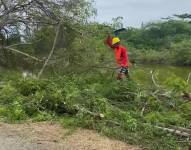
x: 108, y: 41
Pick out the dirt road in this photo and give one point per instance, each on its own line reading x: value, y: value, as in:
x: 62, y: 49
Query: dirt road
x: 47, y: 136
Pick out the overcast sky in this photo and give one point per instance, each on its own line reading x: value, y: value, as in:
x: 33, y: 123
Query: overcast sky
x: 137, y: 11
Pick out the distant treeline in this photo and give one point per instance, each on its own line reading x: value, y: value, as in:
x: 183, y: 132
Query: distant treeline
x: 80, y: 44
x: 167, y: 41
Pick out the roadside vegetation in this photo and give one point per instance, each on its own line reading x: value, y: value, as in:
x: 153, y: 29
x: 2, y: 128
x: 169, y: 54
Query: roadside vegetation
x: 71, y: 81
x: 154, y: 117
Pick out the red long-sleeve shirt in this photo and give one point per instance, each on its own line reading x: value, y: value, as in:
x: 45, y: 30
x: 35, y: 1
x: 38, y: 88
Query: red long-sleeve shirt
x: 121, y: 54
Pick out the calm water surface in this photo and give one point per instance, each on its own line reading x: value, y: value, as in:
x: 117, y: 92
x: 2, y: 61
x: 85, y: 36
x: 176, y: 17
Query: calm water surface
x: 142, y: 73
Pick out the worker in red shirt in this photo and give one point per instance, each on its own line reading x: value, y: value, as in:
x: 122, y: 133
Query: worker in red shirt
x: 121, y: 56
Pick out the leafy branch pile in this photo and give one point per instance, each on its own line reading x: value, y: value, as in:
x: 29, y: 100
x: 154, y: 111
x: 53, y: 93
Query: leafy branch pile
x: 156, y: 118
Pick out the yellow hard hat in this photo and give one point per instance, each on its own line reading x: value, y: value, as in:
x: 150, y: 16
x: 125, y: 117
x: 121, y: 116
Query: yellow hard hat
x: 115, y: 40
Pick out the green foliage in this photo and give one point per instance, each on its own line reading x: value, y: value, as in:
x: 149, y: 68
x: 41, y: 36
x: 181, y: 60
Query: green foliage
x: 124, y: 110
x: 177, y: 84
x: 158, y: 35
x: 37, y: 37
x: 124, y: 118
x: 186, y: 110
x: 173, y: 117
x: 91, y: 101
x: 7, y: 94
x: 69, y: 121
x: 182, y: 52
x: 154, y: 117
x: 153, y: 56
x: 3, y: 111
x: 16, y: 112
x: 44, y: 116
x: 43, y: 40
x: 164, y: 42
x: 167, y: 118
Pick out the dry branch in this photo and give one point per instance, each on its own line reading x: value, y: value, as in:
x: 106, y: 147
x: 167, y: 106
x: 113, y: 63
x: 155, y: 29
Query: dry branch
x: 181, y: 129
x: 22, y: 53
x: 153, y: 79
x: 174, y: 131
x: 19, y: 44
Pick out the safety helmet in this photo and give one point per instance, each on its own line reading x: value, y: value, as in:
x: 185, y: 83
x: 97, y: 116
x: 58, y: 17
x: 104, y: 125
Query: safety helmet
x: 115, y: 40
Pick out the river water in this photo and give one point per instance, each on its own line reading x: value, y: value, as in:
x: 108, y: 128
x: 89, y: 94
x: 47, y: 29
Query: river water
x: 142, y: 73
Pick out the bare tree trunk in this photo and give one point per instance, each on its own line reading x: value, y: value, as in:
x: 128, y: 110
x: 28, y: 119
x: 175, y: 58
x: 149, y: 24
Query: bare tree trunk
x: 51, y: 52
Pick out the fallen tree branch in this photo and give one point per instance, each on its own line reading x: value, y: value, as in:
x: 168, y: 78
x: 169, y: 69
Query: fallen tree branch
x: 104, y: 67
x: 185, y: 142
x: 18, y: 44
x: 181, y: 129
x: 98, y: 66
x: 174, y: 131
x: 84, y: 110
x: 153, y: 79
x: 113, y: 122
x: 22, y: 53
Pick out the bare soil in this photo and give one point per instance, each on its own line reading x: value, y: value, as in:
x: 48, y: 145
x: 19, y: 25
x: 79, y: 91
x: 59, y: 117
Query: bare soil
x: 48, y: 136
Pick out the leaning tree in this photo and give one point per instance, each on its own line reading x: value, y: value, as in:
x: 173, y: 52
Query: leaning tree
x: 20, y: 19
